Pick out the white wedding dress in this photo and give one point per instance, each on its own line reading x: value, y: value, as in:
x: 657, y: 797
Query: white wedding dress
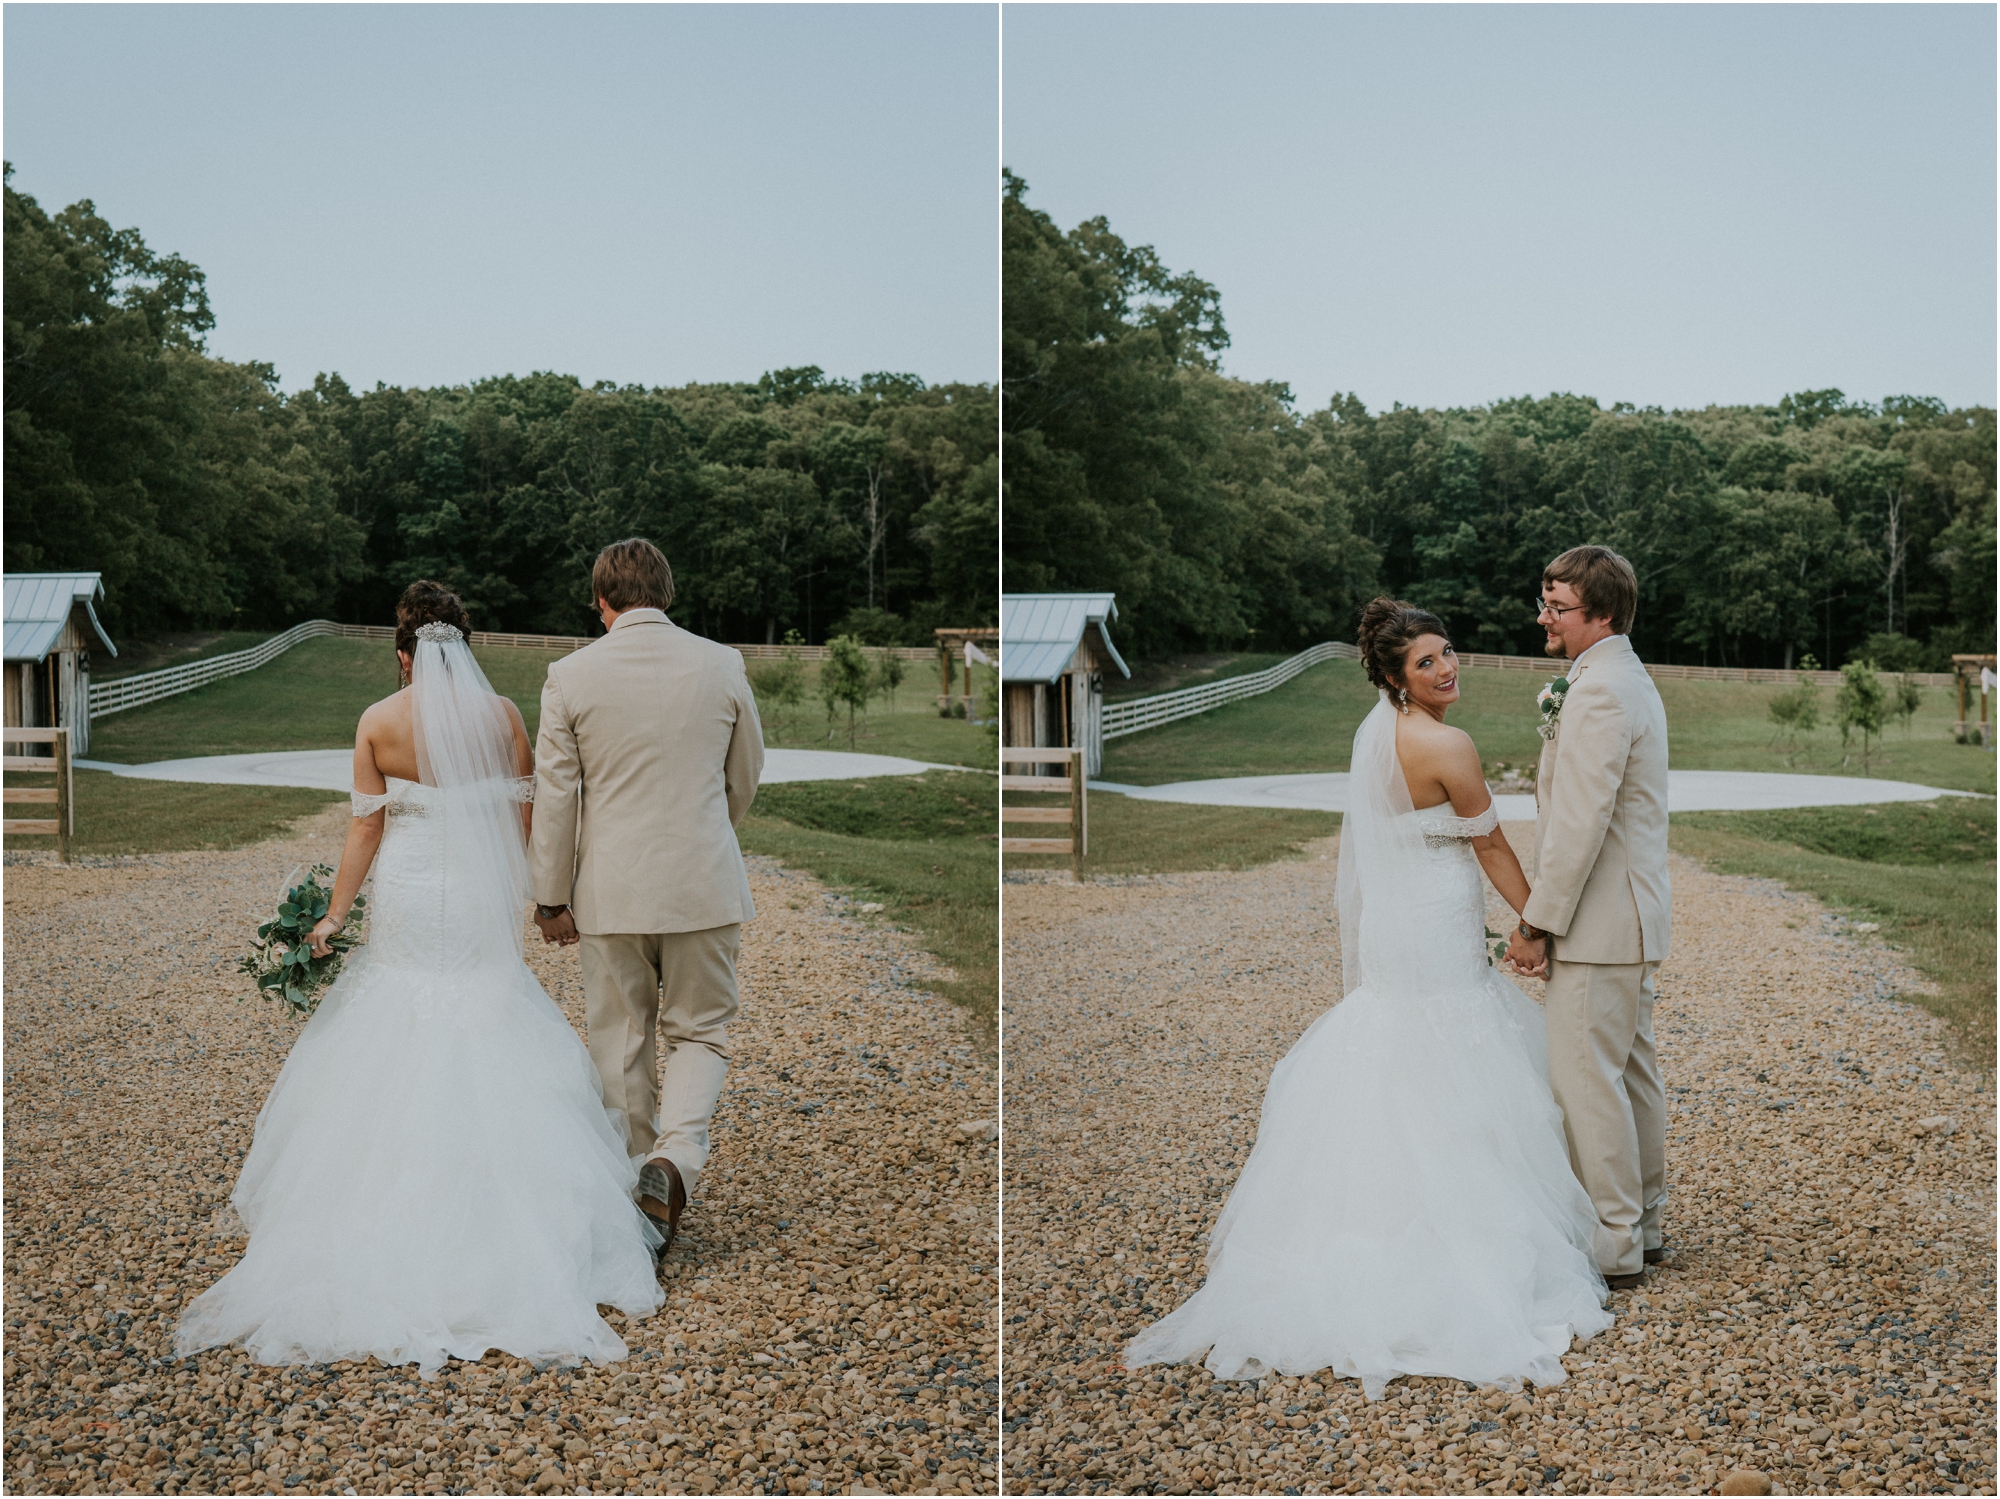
x: 1409, y: 1208
x: 434, y: 1174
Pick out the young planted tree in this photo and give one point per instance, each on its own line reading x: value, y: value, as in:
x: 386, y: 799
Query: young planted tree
x: 1795, y: 712
x: 1860, y: 706
x: 780, y: 685
x: 844, y: 679
x: 890, y: 669
x: 1904, y: 700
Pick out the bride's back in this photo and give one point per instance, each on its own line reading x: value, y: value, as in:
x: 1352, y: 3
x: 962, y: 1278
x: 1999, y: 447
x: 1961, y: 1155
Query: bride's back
x: 388, y: 728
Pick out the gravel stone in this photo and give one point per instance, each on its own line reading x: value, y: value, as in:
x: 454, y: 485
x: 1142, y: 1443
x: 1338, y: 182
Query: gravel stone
x: 829, y: 1326
x: 1826, y: 1319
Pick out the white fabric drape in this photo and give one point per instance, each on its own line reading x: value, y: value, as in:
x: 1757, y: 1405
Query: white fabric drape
x: 465, y: 748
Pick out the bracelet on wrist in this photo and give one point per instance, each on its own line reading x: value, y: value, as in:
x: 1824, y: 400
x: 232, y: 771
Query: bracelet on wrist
x: 1532, y: 933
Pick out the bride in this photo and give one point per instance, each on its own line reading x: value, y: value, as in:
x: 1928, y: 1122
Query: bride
x: 434, y: 1174
x: 1409, y: 1207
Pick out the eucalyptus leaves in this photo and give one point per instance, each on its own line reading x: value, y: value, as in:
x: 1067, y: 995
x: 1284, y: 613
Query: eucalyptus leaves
x: 281, y: 959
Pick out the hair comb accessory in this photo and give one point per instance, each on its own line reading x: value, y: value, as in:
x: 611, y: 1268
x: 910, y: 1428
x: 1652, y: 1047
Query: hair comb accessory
x: 440, y: 632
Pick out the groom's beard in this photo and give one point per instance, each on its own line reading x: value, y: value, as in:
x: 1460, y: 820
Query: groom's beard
x: 1554, y: 645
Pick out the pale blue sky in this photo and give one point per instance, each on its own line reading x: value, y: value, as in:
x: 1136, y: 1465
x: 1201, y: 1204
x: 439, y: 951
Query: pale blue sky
x: 1441, y: 205
x: 428, y: 194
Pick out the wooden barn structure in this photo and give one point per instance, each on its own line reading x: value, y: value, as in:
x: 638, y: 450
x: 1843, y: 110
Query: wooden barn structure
x: 1054, y: 651
x: 52, y: 628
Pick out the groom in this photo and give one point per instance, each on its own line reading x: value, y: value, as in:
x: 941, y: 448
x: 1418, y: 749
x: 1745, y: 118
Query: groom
x: 1599, y: 912
x: 648, y: 757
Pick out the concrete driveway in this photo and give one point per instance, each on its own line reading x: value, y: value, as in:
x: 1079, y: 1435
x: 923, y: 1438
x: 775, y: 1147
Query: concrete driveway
x: 333, y: 769
x: 1687, y: 791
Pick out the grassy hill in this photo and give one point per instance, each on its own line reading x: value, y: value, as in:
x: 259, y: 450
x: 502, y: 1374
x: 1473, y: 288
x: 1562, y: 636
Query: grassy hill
x: 1309, y: 723
x: 312, y: 696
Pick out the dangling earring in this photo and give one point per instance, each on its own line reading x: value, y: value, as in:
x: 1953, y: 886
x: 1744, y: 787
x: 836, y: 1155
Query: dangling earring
x: 1404, y: 693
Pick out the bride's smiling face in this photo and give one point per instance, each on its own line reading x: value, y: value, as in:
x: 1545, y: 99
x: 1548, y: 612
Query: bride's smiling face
x: 1430, y: 672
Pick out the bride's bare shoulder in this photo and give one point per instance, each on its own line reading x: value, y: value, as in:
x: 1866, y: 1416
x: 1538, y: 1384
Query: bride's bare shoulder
x: 1421, y: 728
x: 392, y: 711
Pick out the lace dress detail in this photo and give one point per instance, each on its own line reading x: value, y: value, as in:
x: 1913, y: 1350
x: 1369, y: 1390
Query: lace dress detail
x: 406, y: 802
x: 403, y: 799
x: 1443, y: 830
x: 367, y: 804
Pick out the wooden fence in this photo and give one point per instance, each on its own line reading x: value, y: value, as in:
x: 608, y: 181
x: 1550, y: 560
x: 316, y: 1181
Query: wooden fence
x: 149, y: 687
x: 1075, y: 818
x: 59, y: 797
x: 1138, y: 713
x: 1150, y: 712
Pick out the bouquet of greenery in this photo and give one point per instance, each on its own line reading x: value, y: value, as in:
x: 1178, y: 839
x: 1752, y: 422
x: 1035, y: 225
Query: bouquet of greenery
x: 281, y: 958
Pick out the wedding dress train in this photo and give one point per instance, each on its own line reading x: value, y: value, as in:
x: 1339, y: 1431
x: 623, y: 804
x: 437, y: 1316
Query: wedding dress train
x: 1409, y: 1207
x: 434, y: 1173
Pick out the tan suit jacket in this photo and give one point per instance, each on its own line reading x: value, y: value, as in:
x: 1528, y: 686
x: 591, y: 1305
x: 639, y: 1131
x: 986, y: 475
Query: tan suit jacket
x: 1601, y: 836
x: 648, y: 757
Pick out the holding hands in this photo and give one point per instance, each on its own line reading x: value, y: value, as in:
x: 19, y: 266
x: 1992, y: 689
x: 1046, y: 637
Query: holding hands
x: 1528, y: 955
x: 556, y: 925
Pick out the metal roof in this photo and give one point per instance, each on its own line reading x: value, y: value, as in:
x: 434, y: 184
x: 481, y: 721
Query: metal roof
x: 37, y: 606
x: 1039, y: 632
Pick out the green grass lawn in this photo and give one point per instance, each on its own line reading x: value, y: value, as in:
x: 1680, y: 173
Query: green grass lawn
x: 1924, y: 870
x: 309, y: 698
x: 115, y: 815
x: 1309, y: 723
x: 921, y: 845
x: 1128, y: 836
x: 911, y: 727
x: 312, y: 696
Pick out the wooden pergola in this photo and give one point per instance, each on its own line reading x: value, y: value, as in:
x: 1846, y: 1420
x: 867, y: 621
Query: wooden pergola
x: 951, y: 645
x: 1969, y: 671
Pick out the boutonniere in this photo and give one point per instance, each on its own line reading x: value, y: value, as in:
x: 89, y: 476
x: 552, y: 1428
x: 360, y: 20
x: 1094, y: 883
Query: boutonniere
x: 1550, y: 701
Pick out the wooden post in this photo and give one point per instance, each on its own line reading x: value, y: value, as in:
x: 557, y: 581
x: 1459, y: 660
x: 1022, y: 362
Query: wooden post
x: 1079, y: 816
x: 944, y: 675
x: 65, y: 799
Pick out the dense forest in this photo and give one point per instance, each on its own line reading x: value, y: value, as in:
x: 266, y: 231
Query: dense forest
x: 1225, y: 518
x: 207, y: 497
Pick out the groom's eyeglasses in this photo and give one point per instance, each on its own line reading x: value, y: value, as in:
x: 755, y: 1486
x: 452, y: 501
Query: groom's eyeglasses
x: 1543, y: 606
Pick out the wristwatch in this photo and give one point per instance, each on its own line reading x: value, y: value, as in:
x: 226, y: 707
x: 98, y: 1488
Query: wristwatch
x: 550, y: 913
x: 1532, y: 933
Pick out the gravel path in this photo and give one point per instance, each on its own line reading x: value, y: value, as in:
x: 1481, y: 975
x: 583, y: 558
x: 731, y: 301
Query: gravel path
x: 829, y: 1324
x: 1827, y: 1320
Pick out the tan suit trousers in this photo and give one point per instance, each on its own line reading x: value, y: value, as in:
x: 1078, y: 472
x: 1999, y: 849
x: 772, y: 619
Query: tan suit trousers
x: 1606, y: 1077
x: 676, y: 985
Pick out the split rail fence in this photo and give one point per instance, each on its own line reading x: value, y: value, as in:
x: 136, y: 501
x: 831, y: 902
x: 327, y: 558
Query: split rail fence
x: 1134, y: 714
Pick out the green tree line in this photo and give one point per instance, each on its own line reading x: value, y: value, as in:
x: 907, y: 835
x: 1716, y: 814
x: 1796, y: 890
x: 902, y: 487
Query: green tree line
x: 1225, y: 518
x: 207, y: 497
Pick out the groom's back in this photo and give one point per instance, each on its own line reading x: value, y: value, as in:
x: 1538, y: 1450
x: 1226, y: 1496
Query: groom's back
x: 648, y: 756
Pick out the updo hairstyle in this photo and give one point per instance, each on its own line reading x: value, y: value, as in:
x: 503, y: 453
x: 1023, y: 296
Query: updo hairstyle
x: 1388, y: 626
x: 423, y: 603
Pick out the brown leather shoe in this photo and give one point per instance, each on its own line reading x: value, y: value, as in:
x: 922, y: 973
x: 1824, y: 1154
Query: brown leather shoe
x: 1658, y: 1256
x: 662, y: 1198
x: 1625, y: 1282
